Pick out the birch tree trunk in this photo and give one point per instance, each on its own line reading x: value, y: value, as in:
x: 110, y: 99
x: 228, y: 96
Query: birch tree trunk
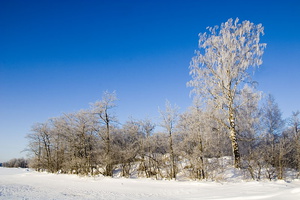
x: 234, y: 143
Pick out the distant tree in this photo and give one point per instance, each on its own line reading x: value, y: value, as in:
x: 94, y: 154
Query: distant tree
x: 126, y: 144
x: 158, y: 160
x: 146, y: 148
x: 35, y: 150
x: 249, y: 129
x: 102, y: 109
x: 16, y: 162
x: 42, y: 134
x: 191, y: 127
x: 82, y: 141
x: 221, y: 67
x: 169, y: 119
x: 248, y: 118
x: 273, y: 126
x: 295, y: 124
x: 272, y: 118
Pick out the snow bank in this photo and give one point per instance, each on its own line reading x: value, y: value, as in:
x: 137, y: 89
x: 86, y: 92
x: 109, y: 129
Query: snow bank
x: 28, y: 184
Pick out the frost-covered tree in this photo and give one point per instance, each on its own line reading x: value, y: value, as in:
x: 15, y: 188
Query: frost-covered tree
x: 42, y: 135
x: 248, y: 130
x: 272, y: 118
x: 294, y: 123
x: 169, y: 119
x: 191, y: 128
x: 16, y: 162
x: 248, y: 116
x: 126, y: 143
x: 221, y: 67
x: 58, y: 144
x: 273, y: 126
x: 82, y: 141
x: 102, y: 109
x: 35, y: 148
x: 146, y: 148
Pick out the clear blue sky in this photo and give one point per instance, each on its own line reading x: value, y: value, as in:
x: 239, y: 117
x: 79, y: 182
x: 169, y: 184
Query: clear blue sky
x: 59, y: 56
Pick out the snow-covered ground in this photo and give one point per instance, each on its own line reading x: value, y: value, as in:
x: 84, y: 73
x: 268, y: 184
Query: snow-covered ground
x: 28, y: 184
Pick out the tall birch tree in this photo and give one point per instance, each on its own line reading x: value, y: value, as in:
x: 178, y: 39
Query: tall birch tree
x: 221, y: 67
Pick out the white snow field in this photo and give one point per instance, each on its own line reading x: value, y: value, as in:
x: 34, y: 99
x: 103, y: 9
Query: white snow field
x: 28, y: 184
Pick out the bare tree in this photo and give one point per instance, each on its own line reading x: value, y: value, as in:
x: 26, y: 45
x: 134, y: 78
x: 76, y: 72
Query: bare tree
x: 169, y: 119
x: 126, y: 144
x: 16, y: 162
x: 192, y: 130
x: 248, y: 131
x: 35, y: 149
x: 221, y: 67
x: 103, y: 109
x: 146, y: 128
x: 295, y: 124
x: 248, y: 116
x: 273, y: 126
x: 82, y: 137
x: 58, y: 140
x: 44, y: 136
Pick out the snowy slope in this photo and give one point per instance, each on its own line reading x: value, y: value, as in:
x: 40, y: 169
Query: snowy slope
x: 27, y: 184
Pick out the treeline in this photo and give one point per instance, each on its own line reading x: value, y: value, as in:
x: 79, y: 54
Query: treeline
x: 92, y: 142
x: 227, y: 118
x: 16, y: 162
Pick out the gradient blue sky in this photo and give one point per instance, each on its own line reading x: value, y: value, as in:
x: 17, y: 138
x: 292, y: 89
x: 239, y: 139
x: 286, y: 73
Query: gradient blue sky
x: 59, y: 56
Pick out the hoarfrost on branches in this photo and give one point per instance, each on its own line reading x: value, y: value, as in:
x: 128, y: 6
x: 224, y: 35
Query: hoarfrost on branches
x: 220, y: 69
